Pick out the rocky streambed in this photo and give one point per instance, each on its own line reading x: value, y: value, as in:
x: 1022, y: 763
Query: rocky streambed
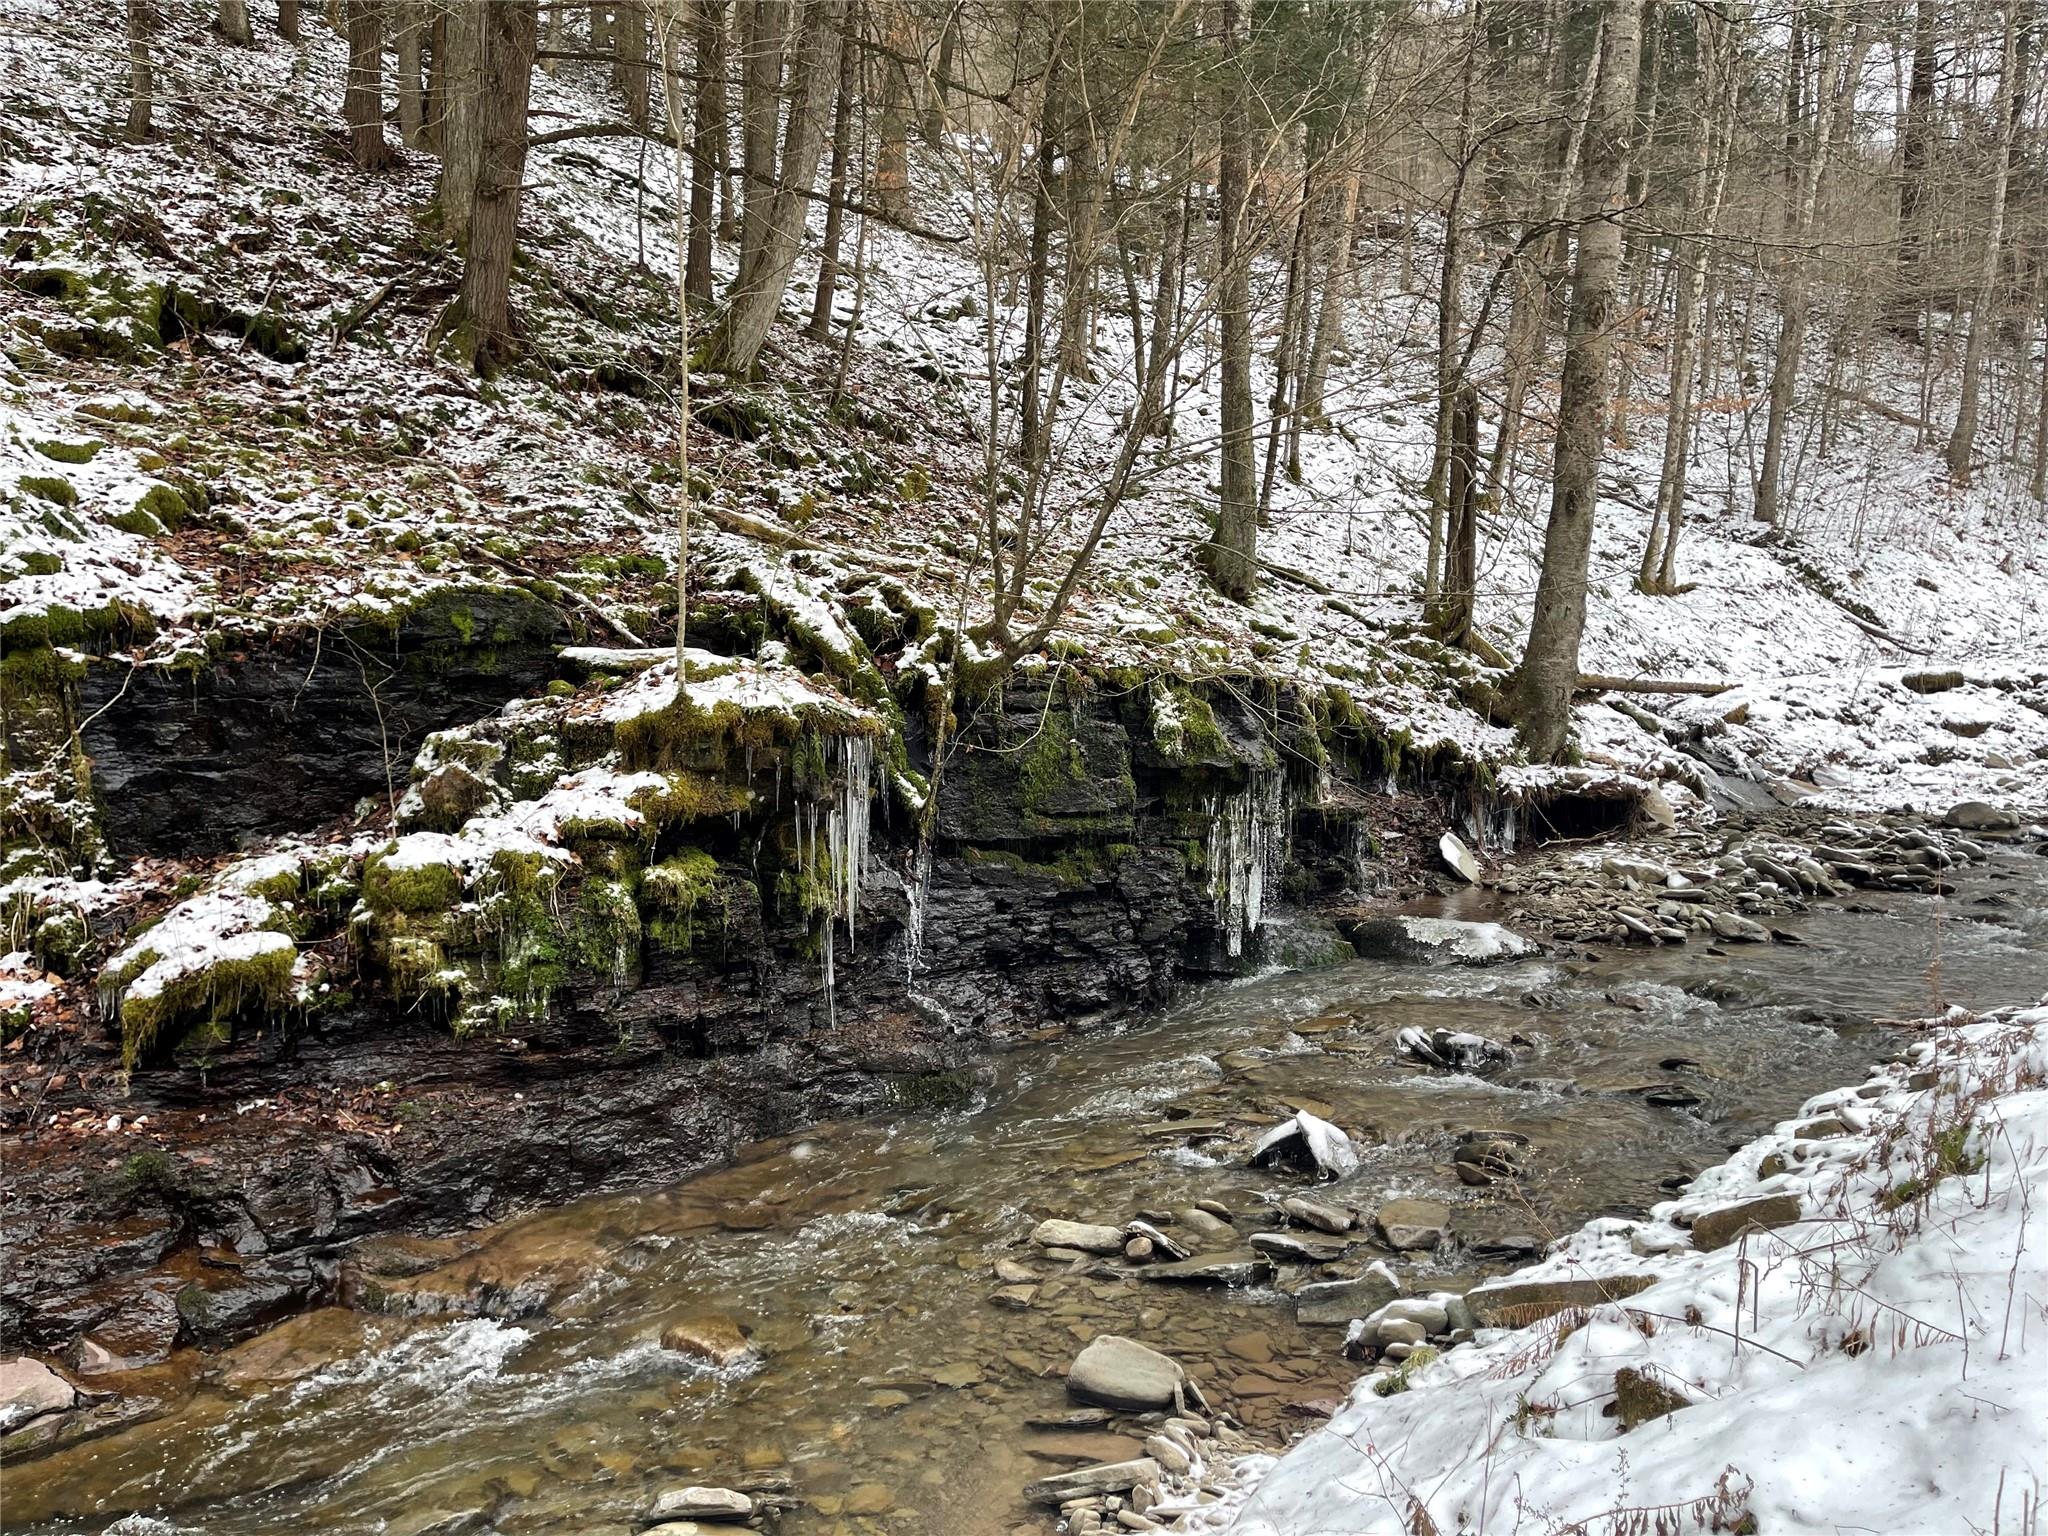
x: 872, y: 1327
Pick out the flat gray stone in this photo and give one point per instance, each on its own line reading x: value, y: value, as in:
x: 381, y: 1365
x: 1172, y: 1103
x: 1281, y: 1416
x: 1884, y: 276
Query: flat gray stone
x: 1122, y: 1373
x: 1086, y: 1482
x: 1083, y: 1236
x: 1334, y: 1303
x: 1719, y: 1228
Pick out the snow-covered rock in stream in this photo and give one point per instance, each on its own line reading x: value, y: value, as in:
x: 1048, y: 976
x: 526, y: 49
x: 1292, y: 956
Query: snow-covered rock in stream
x: 1310, y: 1144
x: 1452, y: 1050
x: 1435, y: 940
x: 1458, y: 859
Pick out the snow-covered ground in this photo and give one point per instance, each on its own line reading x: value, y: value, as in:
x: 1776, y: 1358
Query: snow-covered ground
x: 1878, y: 1362
x: 354, y: 479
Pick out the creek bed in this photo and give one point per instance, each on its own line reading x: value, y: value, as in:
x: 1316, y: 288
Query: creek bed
x: 888, y: 1392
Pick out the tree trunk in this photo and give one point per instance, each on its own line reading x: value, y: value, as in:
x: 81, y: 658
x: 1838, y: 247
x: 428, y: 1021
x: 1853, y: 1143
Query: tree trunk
x: 735, y: 346
x: 232, y: 22
x: 1544, y: 254
x: 761, y: 40
x: 1549, y: 671
x: 362, y: 104
x: 1233, y: 552
x: 412, y: 110
x: 1709, y: 186
x: 1030, y: 424
x: 141, y: 70
x: 462, y: 128
x: 1792, y: 299
x: 288, y: 20
x: 1456, y: 607
x: 835, y: 184
x: 629, y: 59
x: 1156, y: 416
x: 1293, y: 310
x: 933, y: 129
x: 1962, y: 442
x: 1330, y: 322
x: 481, y: 325
x: 1917, y: 152
x: 707, y: 131
x: 892, y: 147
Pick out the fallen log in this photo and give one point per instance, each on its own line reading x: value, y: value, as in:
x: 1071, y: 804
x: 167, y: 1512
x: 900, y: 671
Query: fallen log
x: 1598, y: 682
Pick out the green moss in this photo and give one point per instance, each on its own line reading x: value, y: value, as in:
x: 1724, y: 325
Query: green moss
x: 217, y: 992
x: 51, y: 488
x: 80, y: 450
x: 930, y: 1092
x: 604, y: 934
x: 685, y: 797
x: 410, y: 887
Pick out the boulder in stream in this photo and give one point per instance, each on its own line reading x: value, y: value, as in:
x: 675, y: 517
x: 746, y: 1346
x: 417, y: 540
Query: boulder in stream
x: 1978, y: 816
x: 1086, y: 1236
x: 1458, y: 859
x: 1086, y: 1482
x: 1333, y: 1303
x: 1122, y: 1373
x: 698, y: 1503
x: 1414, y: 1224
x: 1435, y: 940
x: 711, y: 1337
x: 1452, y: 1050
x: 29, y: 1389
x: 1308, y: 1143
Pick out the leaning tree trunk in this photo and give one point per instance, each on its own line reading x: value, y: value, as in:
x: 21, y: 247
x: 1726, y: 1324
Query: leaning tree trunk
x: 480, y: 326
x: 362, y: 104
x: 1792, y: 296
x: 1233, y: 554
x: 762, y: 29
x: 1542, y: 686
x: 835, y: 199
x: 1330, y: 320
x: 1962, y: 442
x: 735, y: 345
x: 1710, y: 185
x: 141, y: 71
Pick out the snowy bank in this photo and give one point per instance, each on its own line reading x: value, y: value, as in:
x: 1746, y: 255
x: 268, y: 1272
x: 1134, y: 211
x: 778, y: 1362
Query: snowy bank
x: 1861, y: 1277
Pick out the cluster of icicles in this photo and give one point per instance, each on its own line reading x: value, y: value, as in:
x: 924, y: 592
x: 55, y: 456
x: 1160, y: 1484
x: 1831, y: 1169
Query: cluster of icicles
x: 833, y: 840
x: 1247, y: 843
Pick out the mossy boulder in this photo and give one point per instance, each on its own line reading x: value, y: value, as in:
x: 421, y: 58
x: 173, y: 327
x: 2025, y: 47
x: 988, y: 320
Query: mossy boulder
x: 212, y: 959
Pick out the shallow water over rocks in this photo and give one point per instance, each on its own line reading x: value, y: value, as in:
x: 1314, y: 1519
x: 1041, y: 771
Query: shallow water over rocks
x: 515, y: 1380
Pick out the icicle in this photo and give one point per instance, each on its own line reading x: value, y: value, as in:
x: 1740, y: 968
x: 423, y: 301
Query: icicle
x: 1247, y: 846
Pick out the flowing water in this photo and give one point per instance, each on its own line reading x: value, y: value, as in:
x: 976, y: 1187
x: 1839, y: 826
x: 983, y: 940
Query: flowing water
x: 889, y: 1393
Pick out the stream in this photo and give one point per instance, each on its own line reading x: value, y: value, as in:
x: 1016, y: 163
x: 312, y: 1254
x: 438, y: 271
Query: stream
x: 887, y: 1392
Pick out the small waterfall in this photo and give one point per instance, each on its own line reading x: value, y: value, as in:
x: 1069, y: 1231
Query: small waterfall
x: 1363, y: 872
x: 917, y: 892
x: 1247, y: 846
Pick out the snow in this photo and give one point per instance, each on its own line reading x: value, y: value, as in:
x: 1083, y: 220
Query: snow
x: 217, y: 927
x: 1327, y: 1145
x: 357, y: 482
x: 714, y: 680
x: 1897, y: 1326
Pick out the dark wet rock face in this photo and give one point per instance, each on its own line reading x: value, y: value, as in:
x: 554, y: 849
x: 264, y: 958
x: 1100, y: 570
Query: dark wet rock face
x: 195, y: 763
x: 1088, y: 862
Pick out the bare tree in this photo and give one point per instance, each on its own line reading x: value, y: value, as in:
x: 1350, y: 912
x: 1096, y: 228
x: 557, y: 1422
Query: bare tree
x: 1233, y: 552
x: 1543, y: 684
